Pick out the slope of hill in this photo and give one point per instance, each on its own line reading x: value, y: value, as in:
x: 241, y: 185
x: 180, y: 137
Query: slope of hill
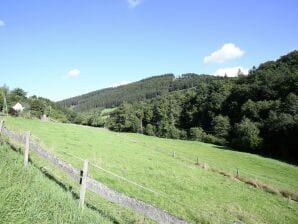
x: 256, y: 113
x: 40, y: 193
x: 184, y: 189
x: 134, y: 92
x: 28, y: 196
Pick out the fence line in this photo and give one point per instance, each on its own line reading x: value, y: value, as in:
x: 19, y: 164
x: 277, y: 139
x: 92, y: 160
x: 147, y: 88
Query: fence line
x: 83, y: 184
x: 95, y: 186
x: 27, y: 146
x: 116, y: 175
x: 132, y: 182
x: 292, y: 195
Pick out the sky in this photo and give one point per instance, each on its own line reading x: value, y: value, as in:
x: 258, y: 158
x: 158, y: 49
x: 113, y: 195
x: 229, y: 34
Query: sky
x: 58, y: 49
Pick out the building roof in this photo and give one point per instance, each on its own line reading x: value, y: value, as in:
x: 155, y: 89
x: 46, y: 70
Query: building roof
x: 18, y: 107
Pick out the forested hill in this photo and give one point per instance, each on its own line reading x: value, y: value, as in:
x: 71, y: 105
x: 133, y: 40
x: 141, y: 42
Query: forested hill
x: 256, y: 113
x: 134, y: 92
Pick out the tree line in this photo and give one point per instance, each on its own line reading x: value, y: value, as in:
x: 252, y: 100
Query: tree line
x: 255, y: 113
x: 134, y: 92
x: 34, y: 107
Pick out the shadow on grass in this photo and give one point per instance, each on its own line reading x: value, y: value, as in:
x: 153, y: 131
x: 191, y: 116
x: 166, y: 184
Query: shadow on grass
x: 261, y: 154
x: 65, y: 187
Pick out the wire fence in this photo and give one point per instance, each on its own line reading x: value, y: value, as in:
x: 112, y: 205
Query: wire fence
x: 170, y: 199
x: 101, y: 189
x: 234, y: 174
x: 156, y: 214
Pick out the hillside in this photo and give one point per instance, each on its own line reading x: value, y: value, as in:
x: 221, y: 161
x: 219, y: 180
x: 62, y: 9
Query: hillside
x: 181, y: 186
x: 41, y: 193
x: 134, y: 92
x: 256, y: 113
x: 28, y: 196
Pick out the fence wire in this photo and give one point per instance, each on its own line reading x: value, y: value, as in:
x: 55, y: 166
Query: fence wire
x: 152, y: 212
x: 194, y: 210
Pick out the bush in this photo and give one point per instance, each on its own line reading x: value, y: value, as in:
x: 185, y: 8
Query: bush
x: 196, y: 134
x: 247, y: 135
x: 149, y: 130
x: 183, y: 134
x: 174, y: 132
x: 221, y: 126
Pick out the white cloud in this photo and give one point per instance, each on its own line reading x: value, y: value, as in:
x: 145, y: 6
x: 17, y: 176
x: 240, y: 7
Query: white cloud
x: 134, y: 3
x: 2, y: 23
x: 73, y: 73
x: 231, y: 71
x: 121, y: 83
x: 226, y: 52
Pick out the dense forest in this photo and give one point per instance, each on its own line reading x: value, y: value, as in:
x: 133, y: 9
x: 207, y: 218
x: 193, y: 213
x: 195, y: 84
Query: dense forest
x: 134, y: 92
x: 255, y: 113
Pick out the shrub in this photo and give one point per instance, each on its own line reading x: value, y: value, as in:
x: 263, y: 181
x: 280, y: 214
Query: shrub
x: 247, y: 135
x: 149, y: 130
x: 196, y: 134
x: 221, y: 126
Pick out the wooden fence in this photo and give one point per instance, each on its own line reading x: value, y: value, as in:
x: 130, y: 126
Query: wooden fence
x: 88, y: 183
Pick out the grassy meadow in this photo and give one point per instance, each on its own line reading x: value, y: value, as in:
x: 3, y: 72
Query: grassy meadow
x: 27, y: 196
x: 184, y: 189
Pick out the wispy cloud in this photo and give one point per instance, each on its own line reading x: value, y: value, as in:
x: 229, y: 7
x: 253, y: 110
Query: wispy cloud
x: 121, y: 83
x: 227, y: 52
x: 134, y: 3
x: 231, y: 71
x: 2, y: 23
x: 73, y: 73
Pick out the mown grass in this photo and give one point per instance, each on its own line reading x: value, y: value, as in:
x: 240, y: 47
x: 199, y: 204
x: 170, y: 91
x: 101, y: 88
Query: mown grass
x: 194, y: 194
x: 28, y: 196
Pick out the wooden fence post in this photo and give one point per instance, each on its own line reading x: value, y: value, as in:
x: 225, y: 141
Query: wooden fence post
x: 1, y: 126
x: 27, y: 145
x: 83, y: 184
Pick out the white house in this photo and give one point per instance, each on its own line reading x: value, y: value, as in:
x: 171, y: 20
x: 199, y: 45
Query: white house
x: 18, y: 107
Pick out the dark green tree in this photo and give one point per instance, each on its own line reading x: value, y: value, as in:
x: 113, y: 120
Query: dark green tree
x: 247, y: 136
x: 221, y: 126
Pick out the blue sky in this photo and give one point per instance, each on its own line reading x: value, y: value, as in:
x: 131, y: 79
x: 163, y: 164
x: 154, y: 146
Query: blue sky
x: 57, y: 49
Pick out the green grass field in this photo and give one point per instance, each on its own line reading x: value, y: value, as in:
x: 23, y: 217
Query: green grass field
x: 27, y: 196
x: 195, y: 194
